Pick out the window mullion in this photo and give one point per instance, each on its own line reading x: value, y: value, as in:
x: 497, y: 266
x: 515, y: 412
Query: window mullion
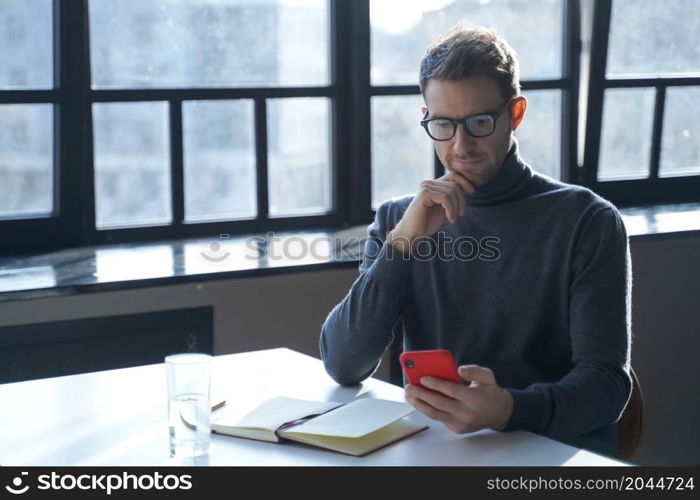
x: 177, y: 184
x: 571, y: 73
x: 596, y: 90
x: 357, y: 41
x: 657, y: 129
x: 74, y: 202
x: 261, y: 154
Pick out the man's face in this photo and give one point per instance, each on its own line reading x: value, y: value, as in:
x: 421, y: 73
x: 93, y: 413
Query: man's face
x: 476, y: 158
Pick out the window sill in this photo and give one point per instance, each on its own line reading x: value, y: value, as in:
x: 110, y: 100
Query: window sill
x: 659, y: 221
x: 129, y: 266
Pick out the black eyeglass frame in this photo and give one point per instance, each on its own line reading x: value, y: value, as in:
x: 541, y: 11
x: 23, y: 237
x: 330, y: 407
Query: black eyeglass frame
x: 494, y: 117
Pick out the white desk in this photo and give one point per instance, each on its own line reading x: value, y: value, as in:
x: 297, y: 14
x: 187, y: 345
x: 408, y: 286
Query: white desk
x: 119, y: 417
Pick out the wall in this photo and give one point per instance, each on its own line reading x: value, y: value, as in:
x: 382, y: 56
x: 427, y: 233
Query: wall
x: 666, y: 344
x: 250, y: 313
x: 288, y: 310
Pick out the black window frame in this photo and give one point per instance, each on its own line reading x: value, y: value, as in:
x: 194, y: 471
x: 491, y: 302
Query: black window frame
x: 651, y: 190
x: 21, y: 232
x: 350, y: 92
x: 177, y: 228
x: 72, y: 222
x: 568, y: 83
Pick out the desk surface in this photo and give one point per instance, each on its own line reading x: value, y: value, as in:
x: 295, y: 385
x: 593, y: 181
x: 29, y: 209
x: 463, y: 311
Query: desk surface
x: 119, y: 417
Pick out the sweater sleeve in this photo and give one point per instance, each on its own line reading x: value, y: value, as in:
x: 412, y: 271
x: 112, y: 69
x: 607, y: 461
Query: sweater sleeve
x: 359, y: 329
x: 594, y: 393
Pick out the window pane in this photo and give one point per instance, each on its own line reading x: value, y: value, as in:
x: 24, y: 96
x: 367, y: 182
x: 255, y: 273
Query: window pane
x: 654, y: 38
x: 680, y: 140
x: 402, y: 153
x: 402, y: 31
x: 26, y: 44
x: 132, y: 164
x: 194, y: 43
x: 625, y: 143
x: 539, y: 135
x: 26, y: 159
x: 299, y: 156
x: 219, y: 146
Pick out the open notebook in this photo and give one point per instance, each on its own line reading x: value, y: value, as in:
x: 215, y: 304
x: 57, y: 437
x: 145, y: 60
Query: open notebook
x: 356, y: 428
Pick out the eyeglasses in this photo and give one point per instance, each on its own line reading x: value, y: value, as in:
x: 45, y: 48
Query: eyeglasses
x: 479, y: 125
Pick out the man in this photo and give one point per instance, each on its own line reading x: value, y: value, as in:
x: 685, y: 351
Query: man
x: 536, y: 308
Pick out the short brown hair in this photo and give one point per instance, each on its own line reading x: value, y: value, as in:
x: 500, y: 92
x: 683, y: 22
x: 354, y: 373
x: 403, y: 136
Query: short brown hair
x: 466, y: 51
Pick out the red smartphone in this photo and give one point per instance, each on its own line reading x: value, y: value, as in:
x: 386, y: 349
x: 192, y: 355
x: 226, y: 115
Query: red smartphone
x: 434, y: 362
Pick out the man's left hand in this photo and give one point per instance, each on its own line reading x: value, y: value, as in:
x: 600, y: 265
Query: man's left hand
x: 480, y: 405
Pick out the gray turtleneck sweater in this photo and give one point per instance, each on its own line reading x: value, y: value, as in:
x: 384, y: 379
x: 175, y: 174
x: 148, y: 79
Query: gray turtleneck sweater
x: 534, y: 282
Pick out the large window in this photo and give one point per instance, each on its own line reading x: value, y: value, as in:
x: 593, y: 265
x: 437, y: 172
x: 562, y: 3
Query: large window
x: 164, y: 118
x: 642, y: 136
x: 187, y: 90
x: 127, y: 120
x: 399, y: 38
x: 26, y: 109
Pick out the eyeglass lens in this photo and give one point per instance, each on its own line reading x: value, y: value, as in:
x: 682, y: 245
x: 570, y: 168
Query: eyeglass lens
x: 479, y: 126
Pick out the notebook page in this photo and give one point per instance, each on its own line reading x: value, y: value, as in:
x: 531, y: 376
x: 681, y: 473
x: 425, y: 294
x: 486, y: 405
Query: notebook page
x: 356, y: 418
x: 274, y: 412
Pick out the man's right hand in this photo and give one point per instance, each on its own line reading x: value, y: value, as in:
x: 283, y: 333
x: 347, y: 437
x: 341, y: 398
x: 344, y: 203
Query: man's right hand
x: 435, y: 201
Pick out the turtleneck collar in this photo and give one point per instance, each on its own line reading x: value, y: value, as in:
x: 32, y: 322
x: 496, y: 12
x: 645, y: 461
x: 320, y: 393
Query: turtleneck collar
x: 507, y: 184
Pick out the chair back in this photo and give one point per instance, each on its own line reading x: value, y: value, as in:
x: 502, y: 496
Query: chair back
x: 631, y: 424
